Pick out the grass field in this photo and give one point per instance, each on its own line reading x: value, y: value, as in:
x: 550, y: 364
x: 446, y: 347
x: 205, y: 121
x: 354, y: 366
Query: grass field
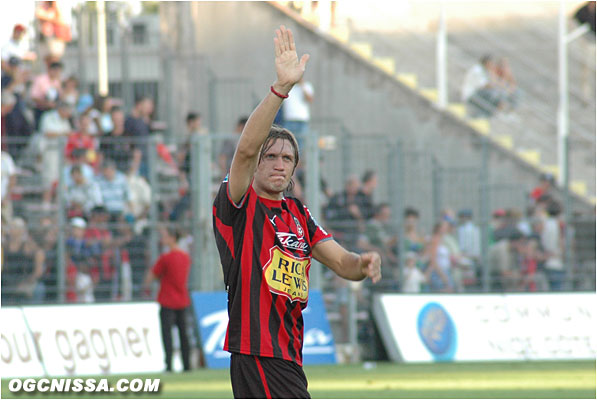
x: 574, y: 379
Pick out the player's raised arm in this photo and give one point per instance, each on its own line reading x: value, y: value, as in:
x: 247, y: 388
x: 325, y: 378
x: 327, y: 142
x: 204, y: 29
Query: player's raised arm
x: 289, y: 70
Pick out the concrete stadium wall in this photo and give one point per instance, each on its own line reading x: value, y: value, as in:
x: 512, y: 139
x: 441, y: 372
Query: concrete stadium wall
x: 237, y: 40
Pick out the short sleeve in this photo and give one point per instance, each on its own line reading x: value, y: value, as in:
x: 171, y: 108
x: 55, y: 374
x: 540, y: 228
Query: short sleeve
x: 316, y: 232
x: 225, y: 208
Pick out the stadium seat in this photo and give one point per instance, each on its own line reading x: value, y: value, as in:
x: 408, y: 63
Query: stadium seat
x: 363, y: 49
x: 533, y: 157
x: 409, y: 80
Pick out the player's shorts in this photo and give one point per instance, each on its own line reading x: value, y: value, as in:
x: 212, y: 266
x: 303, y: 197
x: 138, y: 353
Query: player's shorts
x: 256, y: 377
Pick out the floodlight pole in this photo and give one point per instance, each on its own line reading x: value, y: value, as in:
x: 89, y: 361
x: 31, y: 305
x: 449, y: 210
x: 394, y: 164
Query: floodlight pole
x: 102, y: 49
x: 563, y: 113
x: 441, y: 68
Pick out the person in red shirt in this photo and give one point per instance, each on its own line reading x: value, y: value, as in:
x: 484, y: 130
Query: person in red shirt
x: 172, y: 269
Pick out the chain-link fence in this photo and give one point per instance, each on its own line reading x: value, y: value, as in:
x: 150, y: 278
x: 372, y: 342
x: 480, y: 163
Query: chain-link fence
x: 438, y: 228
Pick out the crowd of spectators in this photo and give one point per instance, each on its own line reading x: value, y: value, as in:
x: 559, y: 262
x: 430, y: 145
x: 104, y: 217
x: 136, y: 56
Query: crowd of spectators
x: 86, y: 156
x: 525, y: 253
x: 99, y: 153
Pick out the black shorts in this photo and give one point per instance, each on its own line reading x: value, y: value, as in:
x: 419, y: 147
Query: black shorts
x: 256, y: 377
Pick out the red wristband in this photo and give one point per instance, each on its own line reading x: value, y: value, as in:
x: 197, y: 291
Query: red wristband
x: 280, y: 95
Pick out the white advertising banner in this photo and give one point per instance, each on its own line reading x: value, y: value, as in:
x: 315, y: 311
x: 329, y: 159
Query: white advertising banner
x: 18, y: 350
x: 78, y: 340
x: 419, y: 328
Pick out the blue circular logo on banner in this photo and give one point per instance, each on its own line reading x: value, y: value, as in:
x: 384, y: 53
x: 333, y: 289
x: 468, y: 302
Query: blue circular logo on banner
x: 437, y: 331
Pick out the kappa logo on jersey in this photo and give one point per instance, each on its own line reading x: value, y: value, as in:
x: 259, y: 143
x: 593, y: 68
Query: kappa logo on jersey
x: 299, y: 228
x: 286, y: 274
x: 291, y: 241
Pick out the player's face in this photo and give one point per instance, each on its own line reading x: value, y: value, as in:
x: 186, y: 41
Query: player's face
x: 275, y: 169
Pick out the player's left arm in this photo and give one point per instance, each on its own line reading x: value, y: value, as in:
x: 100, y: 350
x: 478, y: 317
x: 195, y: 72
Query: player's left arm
x: 347, y: 264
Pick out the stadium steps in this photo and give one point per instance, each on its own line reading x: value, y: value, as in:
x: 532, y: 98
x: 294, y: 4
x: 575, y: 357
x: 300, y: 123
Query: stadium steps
x: 533, y: 145
x: 533, y: 152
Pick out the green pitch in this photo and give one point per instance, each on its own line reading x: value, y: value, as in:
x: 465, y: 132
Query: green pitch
x: 463, y: 380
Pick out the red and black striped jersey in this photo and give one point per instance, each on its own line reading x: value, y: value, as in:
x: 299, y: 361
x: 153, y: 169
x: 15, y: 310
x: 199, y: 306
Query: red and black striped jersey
x: 265, y: 249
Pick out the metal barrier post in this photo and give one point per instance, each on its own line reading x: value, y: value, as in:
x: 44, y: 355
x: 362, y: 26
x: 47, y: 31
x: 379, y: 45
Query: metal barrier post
x: 396, y: 186
x: 312, y: 191
x: 62, y: 226
x: 205, y: 236
x: 195, y: 277
x: 484, y: 211
x: 152, y: 159
x: 353, y: 322
x: 567, y: 256
x: 436, y: 190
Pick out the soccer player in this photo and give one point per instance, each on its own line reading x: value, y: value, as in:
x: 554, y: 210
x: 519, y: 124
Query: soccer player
x: 266, y: 242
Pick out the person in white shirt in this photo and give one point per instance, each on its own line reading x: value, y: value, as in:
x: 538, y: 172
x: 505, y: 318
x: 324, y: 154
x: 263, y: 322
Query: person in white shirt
x: 17, y: 46
x: 53, y: 125
x: 469, y: 240
x: 84, y: 284
x: 412, y: 278
x: 9, y: 179
x: 479, y: 91
x: 296, y: 110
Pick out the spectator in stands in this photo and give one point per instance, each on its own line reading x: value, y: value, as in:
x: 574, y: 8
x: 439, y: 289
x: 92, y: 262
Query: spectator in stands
x: 183, y: 156
x: 438, y: 271
x: 9, y: 180
x: 365, y: 195
x: 115, y: 146
x: 586, y: 15
x: 414, y: 241
x: 343, y: 214
x: 85, y: 106
x: 79, y: 158
x: 469, y: 240
x: 458, y: 268
x: 412, y: 277
x: 134, y: 245
x: 78, y: 248
x: 499, y: 226
x: 533, y: 278
x: 84, y: 140
x: 296, y: 110
x: 172, y: 269
x: 104, y: 105
x: 137, y: 127
x: 84, y: 283
x: 115, y: 191
x: 15, y: 120
x: 552, y: 240
x: 53, y: 126
x: 479, y: 90
x: 544, y: 188
x: 22, y: 266
x: 54, y: 32
x: 83, y: 195
x: 70, y: 91
x: 46, y: 90
x: 378, y: 237
x: 17, y: 47
x: 229, y: 147
x: 506, y: 83
x: 139, y: 196
x: 504, y: 262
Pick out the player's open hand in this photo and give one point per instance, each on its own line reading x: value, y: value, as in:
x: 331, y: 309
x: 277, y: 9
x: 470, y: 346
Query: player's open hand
x: 288, y: 67
x: 371, y: 265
